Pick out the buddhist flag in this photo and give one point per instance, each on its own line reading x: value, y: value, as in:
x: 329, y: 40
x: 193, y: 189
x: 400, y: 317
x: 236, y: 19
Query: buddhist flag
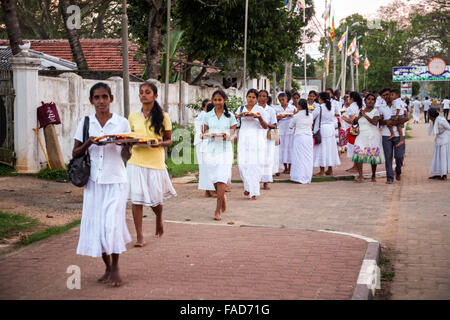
x: 342, y: 42
x: 366, y: 63
x: 327, y: 62
x: 332, y: 28
x: 351, y: 49
x: 357, y: 57
x: 327, y: 12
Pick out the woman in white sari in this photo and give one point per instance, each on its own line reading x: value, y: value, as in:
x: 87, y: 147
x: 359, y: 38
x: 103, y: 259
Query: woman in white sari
x: 252, y: 144
x: 302, y: 146
x: 204, y: 183
x: 440, y: 165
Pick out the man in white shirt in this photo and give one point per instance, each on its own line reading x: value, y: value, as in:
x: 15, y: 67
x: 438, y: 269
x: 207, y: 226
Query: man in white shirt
x: 446, y: 103
x: 390, y: 148
x: 426, y: 106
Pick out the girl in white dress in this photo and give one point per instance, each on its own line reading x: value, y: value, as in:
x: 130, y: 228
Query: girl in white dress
x: 416, y: 113
x: 271, y: 117
x: 252, y: 145
x: 204, y: 183
x: 149, y: 180
x: 302, y: 146
x: 276, y: 151
x: 285, y: 112
x: 368, y: 144
x: 349, y: 115
x: 326, y: 153
x: 103, y: 230
x: 219, y: 149
x: 439, y: 126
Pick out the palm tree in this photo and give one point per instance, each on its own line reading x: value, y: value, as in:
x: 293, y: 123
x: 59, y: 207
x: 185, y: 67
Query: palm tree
x: 74, y: 41
x: 12, y: 24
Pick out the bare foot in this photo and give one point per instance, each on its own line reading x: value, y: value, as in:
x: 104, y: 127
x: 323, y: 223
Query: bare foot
x: 277, y: 174
x: 266, y: 186
x: 227, y: 189
x: 246, y: 193
x: 374, y: 179
x: 106, y: 277
x: 359, y: 179
x: 217, y: 216
x: 208, y: 194
x: 116, y: 281
x: 224, y: 204
x: 319, y: 174
x: 329, y: 172
x: 400, y: 143
x: 140, y: 244
x: 253, y: 198
x: 159, y: 226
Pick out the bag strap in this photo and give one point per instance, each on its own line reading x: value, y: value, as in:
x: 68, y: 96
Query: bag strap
x: 239, y: 120
x: 320, y: 117
x: 86, y: 129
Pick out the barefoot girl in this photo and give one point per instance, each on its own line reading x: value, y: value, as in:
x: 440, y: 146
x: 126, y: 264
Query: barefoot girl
x: 103, y: 230
x: 252, y: 145
x: 219, y: 151
x: 147, y: 173
x: 285, y: 133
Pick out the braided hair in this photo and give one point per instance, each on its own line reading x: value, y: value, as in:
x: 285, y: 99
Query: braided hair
x: 325, y: 96
x: 157, y: 116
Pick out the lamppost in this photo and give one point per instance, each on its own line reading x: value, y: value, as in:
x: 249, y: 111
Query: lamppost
x: 245, y: 49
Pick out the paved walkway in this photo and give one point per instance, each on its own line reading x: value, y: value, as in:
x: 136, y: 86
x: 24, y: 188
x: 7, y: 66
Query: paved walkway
x: 410, y: 218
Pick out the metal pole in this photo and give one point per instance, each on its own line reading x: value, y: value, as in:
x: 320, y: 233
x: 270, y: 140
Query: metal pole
x: 166, y: 85
x: 125, y: 76
x: 324, y: 79
x: 351, y: 73
x: 245, y: 50
x: 274, y: 88
x: 344, y: 75
x: 304, y: 39
x: 288, y: 64
x: 357, y: 77
x: 334, y: 64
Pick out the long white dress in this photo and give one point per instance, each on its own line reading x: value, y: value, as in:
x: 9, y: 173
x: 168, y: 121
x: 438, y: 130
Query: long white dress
x: 285, y: 135
x: 352, y: 110
x: 368, y: 144
x: 276, y: 153
x: 302, y: 148
x: 267, y: 175
x: 440, y: 165
x: 103, y: 222
x: 325, y: 153
x: 416, y: 112
x: 204, y: 183
x: 252, y: 151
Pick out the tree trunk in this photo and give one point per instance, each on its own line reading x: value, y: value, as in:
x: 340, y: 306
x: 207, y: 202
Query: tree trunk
x: 12, y: 24
x: 154, y: 53
x: 74, y: 41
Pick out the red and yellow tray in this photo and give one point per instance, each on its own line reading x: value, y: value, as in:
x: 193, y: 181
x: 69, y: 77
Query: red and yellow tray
x: 247, y: 114
x: 124, y: 138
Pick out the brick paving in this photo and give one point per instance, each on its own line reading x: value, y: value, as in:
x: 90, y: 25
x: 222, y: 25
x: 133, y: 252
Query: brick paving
x: 195, y: 262
x: 410, y: 218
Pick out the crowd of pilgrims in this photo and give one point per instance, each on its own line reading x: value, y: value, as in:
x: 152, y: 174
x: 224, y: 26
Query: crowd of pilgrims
x: 297, y: 135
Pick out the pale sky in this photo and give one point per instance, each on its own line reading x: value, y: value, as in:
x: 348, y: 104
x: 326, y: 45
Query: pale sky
x: 342, y: 9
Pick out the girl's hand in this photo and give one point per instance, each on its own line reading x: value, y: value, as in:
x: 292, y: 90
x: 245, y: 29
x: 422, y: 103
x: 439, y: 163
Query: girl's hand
x: 157, y: 145
x: 92, y: 141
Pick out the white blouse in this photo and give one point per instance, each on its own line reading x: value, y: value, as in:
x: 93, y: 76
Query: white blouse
x: 106, y: 161
x: 302, y: 123
x: 441, y: 129
x: 328, y: 116
x: 283, y: 124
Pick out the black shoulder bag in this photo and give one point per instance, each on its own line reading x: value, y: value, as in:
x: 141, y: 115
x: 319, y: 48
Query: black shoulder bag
x: 316, y: 136
x: 79, y: 168
x: 239, y: 122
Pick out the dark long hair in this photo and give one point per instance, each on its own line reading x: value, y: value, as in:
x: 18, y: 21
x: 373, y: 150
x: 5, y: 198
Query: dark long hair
x: 357, y: 98
x: 156, y: 114
x: 253, y: 91
x: 99, y: 85
x: 325, y: 96
x: 303, y: 104
x: 225, y: 97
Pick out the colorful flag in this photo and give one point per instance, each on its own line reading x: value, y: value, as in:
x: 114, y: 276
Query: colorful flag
x: 357, y: 57
x: 366, y: 63
x: 327, y: 12
x: 342, y: 42
x: 328, y: 59
x: 332, y: 29
x: 351, y: 49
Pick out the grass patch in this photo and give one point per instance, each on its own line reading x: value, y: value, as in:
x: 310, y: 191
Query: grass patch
x: 49, y: 232
x: 407, y: 136
x: 11, y: 224
x: 52, y: 174
x: 387, y: 275
x: 7, y: 171
x: 182, y: 169
x: 408, y: 128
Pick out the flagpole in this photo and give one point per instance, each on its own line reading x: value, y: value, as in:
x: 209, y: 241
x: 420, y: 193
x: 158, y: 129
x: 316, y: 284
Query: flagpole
x: 357, y: 73
x: 324, y: 79
x: 344, y: 75
x: 304, y: 43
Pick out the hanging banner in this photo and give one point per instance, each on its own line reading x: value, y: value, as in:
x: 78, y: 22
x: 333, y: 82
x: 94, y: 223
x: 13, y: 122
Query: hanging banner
x: 418, y: 73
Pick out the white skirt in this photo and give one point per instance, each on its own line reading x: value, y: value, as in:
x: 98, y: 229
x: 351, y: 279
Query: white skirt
x: 267, y: 174
x: 204, y: 182
x: 285, y: 149
x: 302, y: 159
x: 103, y: 222
x: 276, y: 160
x: 440, y: 165
x: 416, y: 115
x: 326, y: 153
x: 149, y: 187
